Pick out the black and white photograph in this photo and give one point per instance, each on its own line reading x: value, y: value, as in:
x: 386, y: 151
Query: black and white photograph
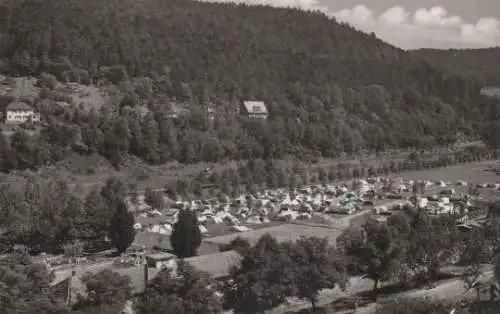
x: 249, y: 157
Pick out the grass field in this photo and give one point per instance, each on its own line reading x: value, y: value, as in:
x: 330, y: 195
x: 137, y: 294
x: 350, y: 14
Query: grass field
x: 284, y: 232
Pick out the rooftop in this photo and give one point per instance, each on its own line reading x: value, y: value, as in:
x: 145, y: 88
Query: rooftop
x: 255, y: 106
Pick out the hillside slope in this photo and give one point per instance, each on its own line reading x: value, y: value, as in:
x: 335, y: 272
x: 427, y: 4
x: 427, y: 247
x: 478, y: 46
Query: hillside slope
x: 223, y: 46
x: 483, y: 64
x: 329, y: 88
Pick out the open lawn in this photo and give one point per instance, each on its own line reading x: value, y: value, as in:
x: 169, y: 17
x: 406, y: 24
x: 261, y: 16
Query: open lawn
x: 217, y: 230
x: 285, y: 232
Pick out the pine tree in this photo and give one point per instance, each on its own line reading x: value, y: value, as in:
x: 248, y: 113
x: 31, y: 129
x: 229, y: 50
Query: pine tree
x: 186, y: 234
x: 121, y: 230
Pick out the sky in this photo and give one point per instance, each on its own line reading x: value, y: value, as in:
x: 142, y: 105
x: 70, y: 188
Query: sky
x: 412, y: 24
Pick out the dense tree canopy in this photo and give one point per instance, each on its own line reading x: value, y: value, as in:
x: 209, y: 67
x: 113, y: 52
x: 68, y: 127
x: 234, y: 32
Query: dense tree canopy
x: 106, y: 292
x: 345, y: 92
x: 24, y: 288
x: 183, y: 290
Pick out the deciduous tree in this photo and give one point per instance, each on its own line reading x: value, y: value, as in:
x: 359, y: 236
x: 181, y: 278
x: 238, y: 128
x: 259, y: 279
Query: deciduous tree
x: 374, y: 250
x: 318, y: 266
x: 24, y: 288
x: 106, y: 291
x: 183, y: 290
x: 264, y: 280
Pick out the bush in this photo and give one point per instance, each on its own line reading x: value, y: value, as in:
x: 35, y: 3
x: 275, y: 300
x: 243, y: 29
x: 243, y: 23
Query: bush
x: 47, y: 81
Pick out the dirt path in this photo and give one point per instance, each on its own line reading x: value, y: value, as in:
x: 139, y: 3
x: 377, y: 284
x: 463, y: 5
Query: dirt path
x: 446, y: 289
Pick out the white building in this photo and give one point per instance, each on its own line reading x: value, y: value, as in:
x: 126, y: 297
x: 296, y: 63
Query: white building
x: 254, y: 110
x: 19, y: 112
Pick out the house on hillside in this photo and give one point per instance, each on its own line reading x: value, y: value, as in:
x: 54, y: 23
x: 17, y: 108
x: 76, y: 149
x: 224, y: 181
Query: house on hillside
x: 19, y: 112
x: 254, y: 110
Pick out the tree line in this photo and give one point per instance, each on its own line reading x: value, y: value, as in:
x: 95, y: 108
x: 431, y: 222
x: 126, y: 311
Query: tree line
x: 134, y: 125
x: 46, y: 216
x: 256, y: 174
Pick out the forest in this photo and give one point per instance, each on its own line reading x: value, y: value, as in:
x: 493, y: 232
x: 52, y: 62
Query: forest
x: 329, y: 89
x: 482, y: 64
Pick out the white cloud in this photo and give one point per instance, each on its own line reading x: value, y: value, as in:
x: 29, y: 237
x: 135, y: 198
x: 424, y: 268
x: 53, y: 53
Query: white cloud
x: 436, y: 16
x: 394, y: 16
x: 433, y: 27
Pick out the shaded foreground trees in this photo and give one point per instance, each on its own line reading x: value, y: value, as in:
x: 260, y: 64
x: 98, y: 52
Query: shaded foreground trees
x: 105, y: 292
x: 271, y: 272
x: 373, y: 251
x: 182, y: 290
x: 318, y: 266
x: 264, y: 280
x: 411, y: 247
x: 24, y: 288
x: 46, y: 216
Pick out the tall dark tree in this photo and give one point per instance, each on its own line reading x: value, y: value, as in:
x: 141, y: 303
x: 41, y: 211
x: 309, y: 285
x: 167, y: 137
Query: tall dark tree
x: 94, y: 228
x: 186, y: 235
x: 121, y: 228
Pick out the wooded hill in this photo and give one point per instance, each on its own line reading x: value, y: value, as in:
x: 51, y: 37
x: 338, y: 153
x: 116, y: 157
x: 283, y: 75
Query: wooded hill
x: 329, y: 88
x: 482, y: 64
